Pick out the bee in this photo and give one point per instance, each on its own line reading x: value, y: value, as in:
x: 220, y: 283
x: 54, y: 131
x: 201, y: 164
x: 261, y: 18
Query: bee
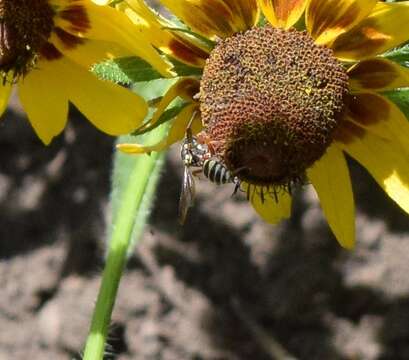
x: 193, y: 154
x: 217, y: 172
x: 187, y: 195
x: 197, y: 154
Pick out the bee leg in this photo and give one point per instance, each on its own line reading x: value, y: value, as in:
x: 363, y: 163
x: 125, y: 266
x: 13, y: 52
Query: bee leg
x: 248, y: 192
x: 196, y: 172
x: 262, y: 198
x: 289, y: 188
x: 236, y: 186
x: 275, y: 195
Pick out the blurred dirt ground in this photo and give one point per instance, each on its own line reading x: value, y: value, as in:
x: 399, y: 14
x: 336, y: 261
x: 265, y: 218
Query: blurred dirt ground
x: 225, y: 286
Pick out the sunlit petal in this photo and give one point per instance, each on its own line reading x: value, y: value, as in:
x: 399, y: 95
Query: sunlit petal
x: 327, y: 19
x: 175, y: 43
x: 101, y: 2
x: 91, y: 52
x: 246, y: 12
x: 110, y: 107
x: 211, y: 18
x: 330, y: 178
x: 110, y: 25
x: 283, y: 13
x: 384, y: 28
x: 272, y: 206
x: 380, y: 116
x: 45, y: 100
x: 383, y: 158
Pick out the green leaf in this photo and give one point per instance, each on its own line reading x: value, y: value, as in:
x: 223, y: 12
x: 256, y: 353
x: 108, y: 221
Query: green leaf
x: 401, y: 98
x: 399, y: 55
x: 167, y: 115
x: 133, y: 69
x: 126, y: 70
x: 207, y: 42
x: 156, y: 90
x: 185, y: 70
x: 153, y: 89
x: 262, y: 21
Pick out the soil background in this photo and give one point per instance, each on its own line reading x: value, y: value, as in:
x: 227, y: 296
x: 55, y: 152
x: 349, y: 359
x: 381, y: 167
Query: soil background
x: 224, y: 286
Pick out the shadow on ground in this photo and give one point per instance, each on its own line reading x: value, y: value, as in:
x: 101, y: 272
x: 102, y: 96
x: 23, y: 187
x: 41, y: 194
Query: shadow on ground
x: 225, y: 286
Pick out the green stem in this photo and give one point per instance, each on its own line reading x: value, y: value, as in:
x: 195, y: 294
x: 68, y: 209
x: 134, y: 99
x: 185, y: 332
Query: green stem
x: 139, y: 181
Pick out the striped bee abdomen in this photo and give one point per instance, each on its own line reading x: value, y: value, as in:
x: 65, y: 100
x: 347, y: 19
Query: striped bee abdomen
x: 216, y: 172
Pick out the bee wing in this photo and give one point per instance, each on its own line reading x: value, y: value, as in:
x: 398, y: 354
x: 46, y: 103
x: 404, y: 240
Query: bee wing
x: 187, y: 195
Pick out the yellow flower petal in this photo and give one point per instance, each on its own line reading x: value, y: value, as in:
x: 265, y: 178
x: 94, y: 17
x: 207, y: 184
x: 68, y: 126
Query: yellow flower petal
x: 177, y: 44
x: 271, y: 207
x: 385, y: 160
x: 5, y: 91
x: 184, y: 87
x: 90, y: 52
x: 211, y: 18
x: 385, y: 27
x: 330, y: 178
x: 380, y: 116
x: 110, y: 25
x: 45, y: 100
x: 246, y: 12
x: 327, y: 19
x: 110, y: 107
x: 378, y: 74
x: 176, y: 133
x: 101, y: 2
x: 283, y: 13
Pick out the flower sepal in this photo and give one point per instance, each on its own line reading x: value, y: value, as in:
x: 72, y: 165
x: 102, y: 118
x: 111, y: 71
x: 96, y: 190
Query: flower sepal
x: 168, y: 115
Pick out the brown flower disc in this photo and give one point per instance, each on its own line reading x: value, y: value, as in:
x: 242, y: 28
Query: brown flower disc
x: 270, y: 101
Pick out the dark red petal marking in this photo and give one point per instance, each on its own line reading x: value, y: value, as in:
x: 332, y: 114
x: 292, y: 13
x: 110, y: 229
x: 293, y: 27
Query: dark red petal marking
x: 284, y: 8
x: 189, y: 88
x: 215, y: 16
x: 77, y: 16
x: 50, y: 52
x: 69, y: 41
x: 348, y: 132
x: 188, y: 52
x: 373, y: 74
x: 366, y: 39
x: 323, y: 20
x: 367, y: 109
x: 247, y: 9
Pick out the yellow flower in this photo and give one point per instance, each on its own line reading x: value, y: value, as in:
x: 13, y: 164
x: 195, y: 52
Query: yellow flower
x: 283, y: 107
x: 46, y: 50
